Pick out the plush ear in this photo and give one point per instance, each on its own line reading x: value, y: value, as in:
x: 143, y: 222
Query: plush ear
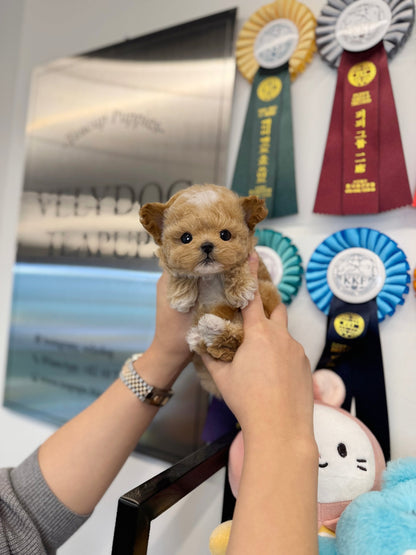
x: 328, y: 387
x: 254, y: 209
x: 151, y: 217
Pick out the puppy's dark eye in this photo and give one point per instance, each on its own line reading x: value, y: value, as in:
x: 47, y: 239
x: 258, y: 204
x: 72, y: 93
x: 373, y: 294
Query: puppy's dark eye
x: 225, y: 235
x: 342, y: 450
x: 186, y: 238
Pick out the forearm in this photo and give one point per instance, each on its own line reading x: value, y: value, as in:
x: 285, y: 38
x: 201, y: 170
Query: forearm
x: 276, y: 511
x: 82, y: 458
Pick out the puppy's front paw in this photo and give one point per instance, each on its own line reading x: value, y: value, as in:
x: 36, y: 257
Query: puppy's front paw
x: 194, y: 340
x: 182, y: 303
x: 182, y: 293
x: 210, y: 327
x: 221, y: 337
x: 209, y: 330
x: 240, y: 294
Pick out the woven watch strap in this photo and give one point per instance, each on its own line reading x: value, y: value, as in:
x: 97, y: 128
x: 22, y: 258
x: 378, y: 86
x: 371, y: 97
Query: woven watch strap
x: 145, y: 392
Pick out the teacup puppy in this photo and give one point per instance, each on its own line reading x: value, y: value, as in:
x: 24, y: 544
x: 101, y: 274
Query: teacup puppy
x: 205, y: 234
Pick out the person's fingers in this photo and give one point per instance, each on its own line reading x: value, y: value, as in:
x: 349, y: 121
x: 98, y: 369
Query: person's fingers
x: 217, y: 369
x: 213, y: 365
x: 279, y: 315
x: 253, y: 263
x: 254, y: 310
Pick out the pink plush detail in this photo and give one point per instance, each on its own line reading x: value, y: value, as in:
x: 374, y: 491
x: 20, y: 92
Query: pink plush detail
x: 235, y: 464
x: 328, y: 387
x: 329, y: 513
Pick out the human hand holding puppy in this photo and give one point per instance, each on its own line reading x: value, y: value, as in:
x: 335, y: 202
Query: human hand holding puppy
x: 268, y: 387
x: 169, y: 351
x: 205, y: 234
x: 269, y: 381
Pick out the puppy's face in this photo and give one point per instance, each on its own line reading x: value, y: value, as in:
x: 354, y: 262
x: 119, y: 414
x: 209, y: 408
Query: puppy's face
x: 203, y: 230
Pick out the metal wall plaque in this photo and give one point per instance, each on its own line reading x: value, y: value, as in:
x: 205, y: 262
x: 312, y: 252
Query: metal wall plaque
x: 107, y: 131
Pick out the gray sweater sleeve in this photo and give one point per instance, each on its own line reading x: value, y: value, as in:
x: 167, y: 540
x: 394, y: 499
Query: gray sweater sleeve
x: 32, y: 519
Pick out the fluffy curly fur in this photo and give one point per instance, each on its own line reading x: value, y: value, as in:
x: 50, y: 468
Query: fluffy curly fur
x: 205, y: 234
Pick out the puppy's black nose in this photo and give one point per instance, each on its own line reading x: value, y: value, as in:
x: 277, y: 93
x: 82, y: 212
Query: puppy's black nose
x: 207, y: 247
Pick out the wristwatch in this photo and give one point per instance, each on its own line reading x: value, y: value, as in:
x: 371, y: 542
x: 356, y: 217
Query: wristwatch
x: 145, y: 392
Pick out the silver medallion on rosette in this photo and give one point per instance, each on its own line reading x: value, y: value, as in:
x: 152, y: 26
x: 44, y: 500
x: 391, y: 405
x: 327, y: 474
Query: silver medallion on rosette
x: 359, y: 25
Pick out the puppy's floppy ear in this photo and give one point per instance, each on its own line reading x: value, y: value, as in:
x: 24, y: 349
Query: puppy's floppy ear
x: 254, y: 209
x: 151, y: 217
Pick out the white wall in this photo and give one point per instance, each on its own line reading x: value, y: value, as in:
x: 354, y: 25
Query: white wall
x: 37, y: 31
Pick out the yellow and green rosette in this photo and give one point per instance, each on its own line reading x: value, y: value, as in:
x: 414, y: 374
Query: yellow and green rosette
x: 294, y: 11
x: 274, y: 46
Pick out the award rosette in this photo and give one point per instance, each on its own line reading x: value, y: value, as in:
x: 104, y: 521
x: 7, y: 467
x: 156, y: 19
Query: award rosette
x: 357, y: 277
x: 273, y: 47
x: 363, y: 170
x: 282, y: 260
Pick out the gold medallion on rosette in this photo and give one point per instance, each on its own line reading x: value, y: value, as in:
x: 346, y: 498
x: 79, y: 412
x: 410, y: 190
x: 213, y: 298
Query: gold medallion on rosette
x: 273, y: 47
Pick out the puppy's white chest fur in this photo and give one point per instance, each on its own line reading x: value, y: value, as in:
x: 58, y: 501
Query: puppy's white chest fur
x: 211, y: 290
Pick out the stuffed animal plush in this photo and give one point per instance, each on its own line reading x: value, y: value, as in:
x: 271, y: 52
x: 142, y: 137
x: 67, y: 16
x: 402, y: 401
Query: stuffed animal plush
x: 379, y: 522
x: 351, y: 463
x: 374, y: 523
x: 205, y: 234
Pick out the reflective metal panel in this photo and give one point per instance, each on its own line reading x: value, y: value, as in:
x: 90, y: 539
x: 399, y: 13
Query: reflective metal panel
x: 72, y: 328
x: 108, y: 131
x: 118, y: 127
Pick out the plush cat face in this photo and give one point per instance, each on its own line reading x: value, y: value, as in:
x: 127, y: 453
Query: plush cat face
x: 351, y: 461
x: 350, y: 458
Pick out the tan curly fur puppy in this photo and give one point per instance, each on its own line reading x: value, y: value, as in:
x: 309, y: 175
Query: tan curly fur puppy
x: 205, y: 234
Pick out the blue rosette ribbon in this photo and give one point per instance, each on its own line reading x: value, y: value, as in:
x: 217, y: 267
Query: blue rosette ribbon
x: 283, y: 261
x: 393, y: 258
x: 358, y: 276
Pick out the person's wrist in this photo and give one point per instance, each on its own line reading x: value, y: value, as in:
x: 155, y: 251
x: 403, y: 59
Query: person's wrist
x: 275, y: 429
x: 300, y: 447
x: 147, y: 393
x: 177, y: 353
x: 158, y: 368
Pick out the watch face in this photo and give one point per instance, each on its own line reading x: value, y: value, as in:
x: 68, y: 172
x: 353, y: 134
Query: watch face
x: 362, y: 24
x: 275, y: 43
x: 158, y: 397
x: 356, y: 275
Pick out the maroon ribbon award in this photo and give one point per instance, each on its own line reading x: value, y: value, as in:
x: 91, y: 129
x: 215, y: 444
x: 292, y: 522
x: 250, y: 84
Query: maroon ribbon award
x: 363, y: 170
